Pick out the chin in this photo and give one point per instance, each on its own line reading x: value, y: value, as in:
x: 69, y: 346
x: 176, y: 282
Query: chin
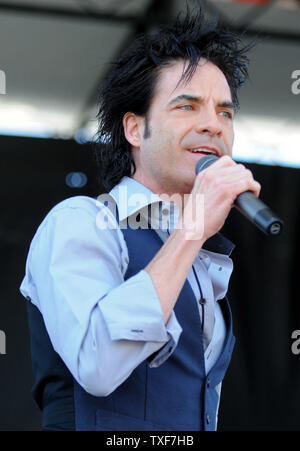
x: 186, y: 186
x: 189, y: 182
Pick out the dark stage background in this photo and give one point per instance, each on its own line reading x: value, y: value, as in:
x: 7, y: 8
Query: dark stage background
x: 262, y: 387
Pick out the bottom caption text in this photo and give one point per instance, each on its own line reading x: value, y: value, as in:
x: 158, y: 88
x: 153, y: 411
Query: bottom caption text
x: 149, y: 440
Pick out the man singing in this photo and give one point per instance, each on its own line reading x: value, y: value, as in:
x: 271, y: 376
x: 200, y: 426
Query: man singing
x: 130, y: 325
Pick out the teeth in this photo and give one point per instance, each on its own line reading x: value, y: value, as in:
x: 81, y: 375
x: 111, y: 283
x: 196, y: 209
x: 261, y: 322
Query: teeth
x: 204, y: 150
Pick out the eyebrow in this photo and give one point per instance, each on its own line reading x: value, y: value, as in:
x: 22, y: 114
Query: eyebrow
x: 187, y: 97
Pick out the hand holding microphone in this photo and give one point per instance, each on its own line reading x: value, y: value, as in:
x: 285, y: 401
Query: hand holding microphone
x: 249, y: 205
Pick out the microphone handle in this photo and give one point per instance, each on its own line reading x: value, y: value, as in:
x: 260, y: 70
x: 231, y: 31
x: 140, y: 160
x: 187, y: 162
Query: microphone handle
x: 249, y: 205
x: 258, y: 213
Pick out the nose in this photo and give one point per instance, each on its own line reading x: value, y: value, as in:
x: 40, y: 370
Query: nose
x: 209, y: 123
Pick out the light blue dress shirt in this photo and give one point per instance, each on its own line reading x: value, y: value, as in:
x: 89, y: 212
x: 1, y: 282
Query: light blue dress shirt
x: 75, y: 276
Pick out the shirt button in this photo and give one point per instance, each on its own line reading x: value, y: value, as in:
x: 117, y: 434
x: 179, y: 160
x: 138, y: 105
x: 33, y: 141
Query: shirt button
x: 202, y: 301
x: 165, y: 211
x: 207, y: 419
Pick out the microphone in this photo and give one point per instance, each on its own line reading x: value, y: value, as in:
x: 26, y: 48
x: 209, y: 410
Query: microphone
x: 249, y: 205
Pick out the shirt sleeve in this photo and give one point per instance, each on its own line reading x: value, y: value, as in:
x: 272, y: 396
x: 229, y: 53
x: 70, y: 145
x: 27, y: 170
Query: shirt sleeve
x: 102, y: 326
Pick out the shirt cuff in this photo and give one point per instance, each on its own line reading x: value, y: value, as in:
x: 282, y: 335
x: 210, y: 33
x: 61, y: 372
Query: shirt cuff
x: 174, y: 331
x: 132, y: 311
x: 160, y: 356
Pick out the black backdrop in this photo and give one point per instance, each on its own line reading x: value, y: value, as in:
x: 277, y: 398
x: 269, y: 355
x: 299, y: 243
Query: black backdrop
x: 262, y: 387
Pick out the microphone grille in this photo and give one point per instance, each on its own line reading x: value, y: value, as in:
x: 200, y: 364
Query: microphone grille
x: 204, y: 162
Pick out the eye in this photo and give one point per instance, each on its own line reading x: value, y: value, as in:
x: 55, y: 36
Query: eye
x: 227, y: 114
x: 185, y: 107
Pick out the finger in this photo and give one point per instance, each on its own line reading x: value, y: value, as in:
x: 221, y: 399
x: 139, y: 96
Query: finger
x: 242, y: 185
x: 225, y: 175
x: 221, y: 162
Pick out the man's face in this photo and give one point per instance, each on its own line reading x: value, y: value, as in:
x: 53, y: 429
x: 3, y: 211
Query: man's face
x: 180, y: 120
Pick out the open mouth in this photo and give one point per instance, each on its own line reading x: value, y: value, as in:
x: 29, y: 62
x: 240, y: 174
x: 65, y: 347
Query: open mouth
x: 203, y: 151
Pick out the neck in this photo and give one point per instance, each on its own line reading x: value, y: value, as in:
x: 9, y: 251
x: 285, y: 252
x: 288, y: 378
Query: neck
x: 168, y: 195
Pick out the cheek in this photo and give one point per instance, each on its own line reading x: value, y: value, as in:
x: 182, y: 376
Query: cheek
x: 164, y: 142
x: 229, y: 138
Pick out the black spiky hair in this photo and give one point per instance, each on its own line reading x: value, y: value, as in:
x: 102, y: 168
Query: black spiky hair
x: 131, y: 83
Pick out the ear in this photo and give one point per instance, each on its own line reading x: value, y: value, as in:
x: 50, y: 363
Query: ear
x: 133, y: 128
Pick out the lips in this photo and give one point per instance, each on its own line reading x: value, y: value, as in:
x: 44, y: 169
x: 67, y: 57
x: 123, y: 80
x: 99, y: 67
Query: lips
x: 205, y: 150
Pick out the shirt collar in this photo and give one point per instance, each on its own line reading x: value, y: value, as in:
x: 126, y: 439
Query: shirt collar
x: 132, y: 197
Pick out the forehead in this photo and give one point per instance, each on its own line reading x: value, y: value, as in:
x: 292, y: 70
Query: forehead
x: 208, y: 80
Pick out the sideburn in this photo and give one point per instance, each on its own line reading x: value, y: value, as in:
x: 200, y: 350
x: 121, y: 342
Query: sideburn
x: 147, y: 131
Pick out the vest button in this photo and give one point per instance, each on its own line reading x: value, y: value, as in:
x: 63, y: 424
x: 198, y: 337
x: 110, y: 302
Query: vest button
x: 202, y: 301
x: 208, y: 383
x: 207, y: 419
